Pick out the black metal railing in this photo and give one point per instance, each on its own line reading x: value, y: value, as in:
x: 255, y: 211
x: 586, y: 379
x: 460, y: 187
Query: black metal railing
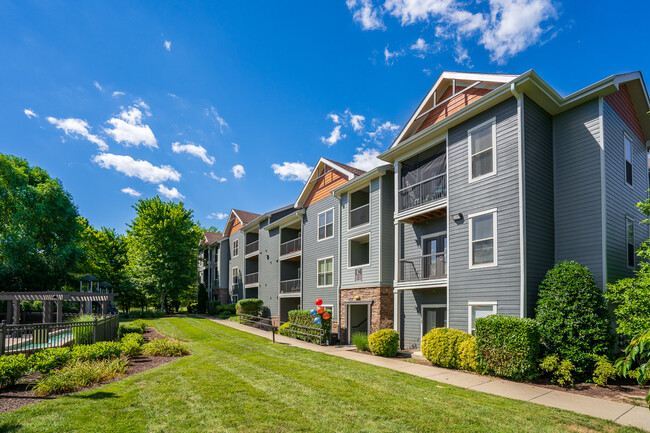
x: 252, y: 278
x: 289, y: 247
x: 360, y: 215
x: 426, y: 267
x: 423, y: 192
x: 290, y: 286
x: 313, y: 334
x: 252, y: 247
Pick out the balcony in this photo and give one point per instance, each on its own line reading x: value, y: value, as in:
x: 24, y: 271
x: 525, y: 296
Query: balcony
x: 423, y: 192
x: 290, y: 247
x: 360, y: 215
x: 426, y: 267
x: 288, y: 287
x: 252, y: 247
x: 251, y: 278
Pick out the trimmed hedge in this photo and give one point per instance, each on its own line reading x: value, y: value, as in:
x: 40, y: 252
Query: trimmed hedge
x: 507, y: 346
x: 307, y: 329
x: 47, y: 360
x: 384, y: 342
x: 441, y: 346
x: 12, y: 368
x: 97, y: 351
x: 137, y: 326
x: 468, y: 355
x: 250, y: 306
x: 165, y: 347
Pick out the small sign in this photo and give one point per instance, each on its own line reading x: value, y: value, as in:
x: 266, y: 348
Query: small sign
x: 358, y: 275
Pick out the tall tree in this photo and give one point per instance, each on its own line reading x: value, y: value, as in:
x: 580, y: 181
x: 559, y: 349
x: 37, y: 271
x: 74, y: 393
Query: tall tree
x: 39, y: 231
x: 162, y: 243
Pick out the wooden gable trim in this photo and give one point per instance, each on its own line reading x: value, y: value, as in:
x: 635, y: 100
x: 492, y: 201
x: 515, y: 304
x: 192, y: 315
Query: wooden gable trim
x: 621, y: 103
x: 234, y: 224
x: 325, y: 184
x: 453, y: 105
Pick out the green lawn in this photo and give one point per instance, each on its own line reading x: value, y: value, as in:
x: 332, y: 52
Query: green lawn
x: 234, y: 381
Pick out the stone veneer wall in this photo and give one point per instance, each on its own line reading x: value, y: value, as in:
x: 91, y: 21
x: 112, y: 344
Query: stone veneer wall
x: 381, y: 309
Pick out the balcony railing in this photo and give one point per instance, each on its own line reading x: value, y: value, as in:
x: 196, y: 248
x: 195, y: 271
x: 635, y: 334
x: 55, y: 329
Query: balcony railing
x: 289, y: 247
x: 360, y: 215
x: 252, y: 247
x: 426, y: 267
x: 251, y: 278
x: 424, y: 192
x: 290, y: 286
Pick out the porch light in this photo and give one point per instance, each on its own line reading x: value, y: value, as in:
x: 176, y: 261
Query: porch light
x: 457, y: 217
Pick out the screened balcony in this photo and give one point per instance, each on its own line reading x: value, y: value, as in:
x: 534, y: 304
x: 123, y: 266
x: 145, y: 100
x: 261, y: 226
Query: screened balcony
x: 423, y: 179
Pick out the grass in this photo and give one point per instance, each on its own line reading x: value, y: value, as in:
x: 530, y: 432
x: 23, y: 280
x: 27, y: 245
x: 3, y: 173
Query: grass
x: 234, y: 381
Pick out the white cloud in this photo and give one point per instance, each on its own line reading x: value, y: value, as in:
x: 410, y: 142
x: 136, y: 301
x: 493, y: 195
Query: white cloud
x: 116, y: 94
x: 461, y: 56
x: 298, y: 171
x: 30, y: 113
x: 130, y: 191
x: 366, y: 159
x: 77, y: 128
x: 129, y: 129
x: 356, y: 120
x: 170, y: 193
x: 212, y: 113
x: 334, y: 137
x: 381, y: 130
x: 217, y: 215
x: 390, y: 56
x: 141, y: 169
x: 168, y: 45
x: 215, y: 177
x: 420, y: 45
x: 235, y: 147
x: 238, y: 171
x: 335, y: 117
x: 99, y: 86
x: 427, y: 71
x: 364, y: 14
x: 194, y: 150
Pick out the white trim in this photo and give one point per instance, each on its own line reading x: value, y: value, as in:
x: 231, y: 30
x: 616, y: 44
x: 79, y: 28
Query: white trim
x: 522, y: 200
x: 603, y: 189
x: 448, y: 216
x: 471, y: 304
x: 369, y: 234
x: 493, y: 122
x: 318, y: 226
x: 470, y: 217
x: 626, y: 136
x: 368, y: 305
x: 233, y: 247
x: 317, y: 272
x: 422, y: 307
x: 350, y: 209
x: 309, y: 184
x: 396, y: 311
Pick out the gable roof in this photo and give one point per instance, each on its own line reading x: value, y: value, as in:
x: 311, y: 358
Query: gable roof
x: 353, y: 170
x: 346, y: 170
x: 243, y: 216
x: 210, y: 238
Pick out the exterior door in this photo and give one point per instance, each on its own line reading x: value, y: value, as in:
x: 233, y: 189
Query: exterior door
x: 433, y: 317
x: 433, y: 261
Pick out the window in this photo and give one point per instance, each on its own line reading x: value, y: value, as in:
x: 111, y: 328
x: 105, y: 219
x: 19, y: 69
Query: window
x: 628, y: 159
x: 235, y: 276
x: 481, y: 148
x: 325, y: 272
x: 326, y: 224
x: 359, y: 251
x: 478, y: 310
x: 629, y: 232
x: 483, y: 239
x: 235, y: 248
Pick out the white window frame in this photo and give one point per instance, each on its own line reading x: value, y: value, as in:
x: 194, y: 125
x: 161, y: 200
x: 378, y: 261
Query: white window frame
x: 350, y: 209
x: 472, y: 304
x: 494, y: 237
x: 317, y: 271
x: 493, y: 122
x: 625, y: 161
x: 235, y: 247
x: 629, y: 219
x: 234, y: 273
x: 318, y: 238
x: 369, y: 234
x: 422, y: 307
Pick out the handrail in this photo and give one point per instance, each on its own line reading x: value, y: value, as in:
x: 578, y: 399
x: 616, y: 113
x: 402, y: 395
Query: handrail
x: 291, y: 246
x: 360, y: 215
x: 424, y: 267
x: 290, y: 286
x: 434, y: 188
x: 252, y: 247
x: 251, y: 278
x: 423, y: 181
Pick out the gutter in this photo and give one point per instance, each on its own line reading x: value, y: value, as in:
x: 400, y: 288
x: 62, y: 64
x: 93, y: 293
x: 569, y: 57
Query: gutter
x: 366, y: 177
x: 285, y: 219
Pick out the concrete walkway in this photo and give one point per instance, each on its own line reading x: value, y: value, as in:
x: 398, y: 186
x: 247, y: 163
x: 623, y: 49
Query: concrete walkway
x: 621, y: 413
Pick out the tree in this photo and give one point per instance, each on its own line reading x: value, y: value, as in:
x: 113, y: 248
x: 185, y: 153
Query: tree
x: 39, y: 232
x: 162, y: 242
x: 202, y: 299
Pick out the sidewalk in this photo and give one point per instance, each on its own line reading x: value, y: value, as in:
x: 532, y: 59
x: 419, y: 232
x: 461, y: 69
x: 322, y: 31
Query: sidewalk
x: 621, y: 413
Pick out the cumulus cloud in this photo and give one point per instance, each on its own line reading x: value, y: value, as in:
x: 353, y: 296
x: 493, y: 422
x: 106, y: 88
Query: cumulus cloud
x: 130, y: 191
x: 363, y: 13
x: 366, y: 159
x: 77, y: 128
x: 168, y: 45
x: 215, y: 177
x: 128, y: 128
x: 288, y: 171
x: 381, y: 130
x: 238, y: 171
x: 235, y: 147
x: 141, y: 169
x: 116, y: 94
x: 356, y: 120
x: 335, y: 117
x: 390, y: 56
x: 212, y: 113
x: 194, y: 150
x: 30, y: 113
x: 170, y: 193
x: 217, y: 215
x: 98, y: 86
x: 334, y: 137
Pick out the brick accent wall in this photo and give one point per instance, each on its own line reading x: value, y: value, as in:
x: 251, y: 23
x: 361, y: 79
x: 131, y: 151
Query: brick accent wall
x: 221, y: 294
x: 381, y: 309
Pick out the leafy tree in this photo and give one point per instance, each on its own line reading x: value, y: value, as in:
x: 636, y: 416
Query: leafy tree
x: 161, y: 244
x: 212, y: 229
x: 202, y: 299
x: 39, y: 232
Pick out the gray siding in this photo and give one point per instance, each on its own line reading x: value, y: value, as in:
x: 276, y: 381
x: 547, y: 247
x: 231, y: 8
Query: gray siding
x: 538, y: 192
x: 501, y: 191
x: 578, y: 204
x: 411, y: 308
x: 224, y: 263
x: 269, y: 267
x: 312, y: 250
x: 387, y: 228
x: 621, y: 198
x: 411, y: 235
x: 237, y: 262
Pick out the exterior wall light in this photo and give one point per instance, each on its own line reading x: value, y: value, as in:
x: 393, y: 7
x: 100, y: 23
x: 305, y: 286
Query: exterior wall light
x: 457, y: 217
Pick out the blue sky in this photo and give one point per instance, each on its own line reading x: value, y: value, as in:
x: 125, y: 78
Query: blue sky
x: 229, y: 105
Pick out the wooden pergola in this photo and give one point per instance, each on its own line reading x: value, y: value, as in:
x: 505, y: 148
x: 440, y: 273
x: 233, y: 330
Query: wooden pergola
x: 51, y: 298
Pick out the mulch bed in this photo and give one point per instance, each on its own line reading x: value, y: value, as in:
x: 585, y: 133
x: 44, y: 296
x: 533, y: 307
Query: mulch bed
x: 19, y: 395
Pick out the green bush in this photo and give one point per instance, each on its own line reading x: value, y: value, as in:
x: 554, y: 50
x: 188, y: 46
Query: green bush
x: 572, y: 317
x: 165, y: 347
x: 80, y: 375
x: 360, y: 340
x: 97, y: 351
x: 561, y: 371
x: 225, y: 311
x: 158, y: 313
x: 507, y: 346
x: 604, y: 371
x: 212, y: 307
x: 131, y: 345
x: 631, y: 298
x: 285, y: 329
x: 192, y: 308
x: 634, y: 362
x: 135, y: 314
x: 302, y: 327
x: 201, y: 299
x: 250, y: 306
x: 137, y: 326
x: 384, y: 342
x: 468, y: 355
x: 12, y: 368
x: 83, y: 334
x: 441, y: 346
x: 47, y: 360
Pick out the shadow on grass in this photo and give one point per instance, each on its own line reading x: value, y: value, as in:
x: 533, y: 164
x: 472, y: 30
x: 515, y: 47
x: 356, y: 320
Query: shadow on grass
x: 99, y: 395
x: 10, y: 427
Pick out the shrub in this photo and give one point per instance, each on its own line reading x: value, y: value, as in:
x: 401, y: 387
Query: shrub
x: 360, y: 340
x: 135, y: 314
x: 131, y: 345
x: 285, y: 329
x: 212, y: 307
x: 97, y: 351
x: 165, y: 347
x: 47, y: 360
x: 441, y: 346
x: 468, y: 355
x: 507, y: 346
x: 79, y: 375
x: 384, y: 342
x: 83, y: 334
x: 191, y: 308
x: 12, y: 368
x: 158, y: 313
x: 250, y: 306
x: 604, y: 371
x: 137, y: 326
x: 631, y: 297
x: 561, y: 371
x: 572, y: 316
x: 201, y: 299
x: 225, y: 311
x: 634, y: 363
x: 303, y: 327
